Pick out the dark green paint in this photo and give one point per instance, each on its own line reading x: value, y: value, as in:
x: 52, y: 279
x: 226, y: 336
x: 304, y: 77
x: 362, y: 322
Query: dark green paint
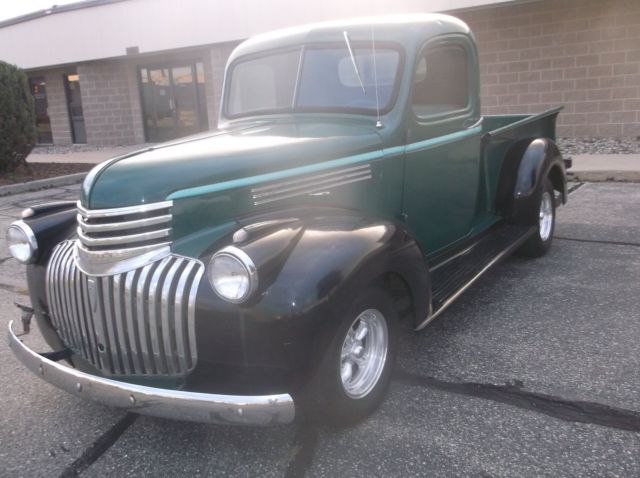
x: 436, y: 173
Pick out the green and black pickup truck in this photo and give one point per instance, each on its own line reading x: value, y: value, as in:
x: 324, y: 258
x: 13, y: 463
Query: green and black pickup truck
x: 260, y: 271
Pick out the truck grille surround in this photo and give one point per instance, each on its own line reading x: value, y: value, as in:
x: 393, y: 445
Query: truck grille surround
x: 139, y: 322
x: 111, y: 240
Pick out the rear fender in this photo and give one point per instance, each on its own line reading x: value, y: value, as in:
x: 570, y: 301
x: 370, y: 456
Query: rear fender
x: 527, y: 164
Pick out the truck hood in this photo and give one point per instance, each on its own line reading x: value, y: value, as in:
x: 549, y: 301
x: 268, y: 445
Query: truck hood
x: 153, y: 174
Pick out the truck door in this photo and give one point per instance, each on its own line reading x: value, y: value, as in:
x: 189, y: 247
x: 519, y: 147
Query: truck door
x: 442, y: 161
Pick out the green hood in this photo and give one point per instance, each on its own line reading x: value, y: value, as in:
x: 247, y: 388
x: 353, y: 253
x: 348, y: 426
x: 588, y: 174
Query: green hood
x: 153, y: 174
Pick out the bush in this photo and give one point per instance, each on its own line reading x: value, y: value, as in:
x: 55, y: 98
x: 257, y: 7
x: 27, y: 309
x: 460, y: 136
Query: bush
x: 17, y: 118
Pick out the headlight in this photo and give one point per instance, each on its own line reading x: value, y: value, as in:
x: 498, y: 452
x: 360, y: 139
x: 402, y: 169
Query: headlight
x: 232, y: 274
x: 22, y: 242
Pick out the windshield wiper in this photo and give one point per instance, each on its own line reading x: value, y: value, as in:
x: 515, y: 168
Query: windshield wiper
x: 353, y: 60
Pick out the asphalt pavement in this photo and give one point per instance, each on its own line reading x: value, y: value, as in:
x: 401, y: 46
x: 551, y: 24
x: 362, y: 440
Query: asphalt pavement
x: 534, y: 371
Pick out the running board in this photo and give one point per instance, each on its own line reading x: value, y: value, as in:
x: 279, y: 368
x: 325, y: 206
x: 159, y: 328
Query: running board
x: 455, y: 275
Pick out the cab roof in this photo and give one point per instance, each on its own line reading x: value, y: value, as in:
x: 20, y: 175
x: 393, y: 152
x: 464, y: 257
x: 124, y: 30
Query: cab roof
x: 408, y: 30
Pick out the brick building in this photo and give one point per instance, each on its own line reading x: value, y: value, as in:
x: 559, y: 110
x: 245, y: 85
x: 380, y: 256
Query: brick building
x: 117, y: 72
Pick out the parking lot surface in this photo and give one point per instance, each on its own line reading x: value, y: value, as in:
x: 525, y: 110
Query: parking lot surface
x: 535, y: 371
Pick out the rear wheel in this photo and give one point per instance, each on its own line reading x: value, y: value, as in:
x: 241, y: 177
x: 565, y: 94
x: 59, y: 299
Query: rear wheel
x: 356, y: 370
x: 540, y: 242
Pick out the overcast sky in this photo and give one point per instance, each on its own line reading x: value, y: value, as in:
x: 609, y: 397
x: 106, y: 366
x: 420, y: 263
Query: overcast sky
x: 16, y: 8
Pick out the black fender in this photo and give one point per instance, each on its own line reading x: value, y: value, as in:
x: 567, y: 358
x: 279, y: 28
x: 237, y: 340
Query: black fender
x: 310, y: 267
x: 51, y: 223
x: 524, y: 168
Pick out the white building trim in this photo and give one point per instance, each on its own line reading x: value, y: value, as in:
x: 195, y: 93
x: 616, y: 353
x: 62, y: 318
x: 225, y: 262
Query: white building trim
x: 107, y: 29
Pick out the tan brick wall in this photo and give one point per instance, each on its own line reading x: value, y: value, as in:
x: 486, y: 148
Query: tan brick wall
x: 583, y: 54
x: 110, y: 104
x: 214, y: 65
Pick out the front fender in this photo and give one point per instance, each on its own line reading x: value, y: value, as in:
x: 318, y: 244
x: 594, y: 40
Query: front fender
x: 310, y: 266
x: 51, y: 224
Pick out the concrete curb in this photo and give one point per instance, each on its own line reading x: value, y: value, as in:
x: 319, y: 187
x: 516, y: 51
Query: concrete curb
x: 39, y: 184
x: 604, y: 176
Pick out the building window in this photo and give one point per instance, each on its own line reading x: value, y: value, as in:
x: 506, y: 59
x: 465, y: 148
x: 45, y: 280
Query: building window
x: 43, y: 123
x: 173, y: 100
x: 441, y: 81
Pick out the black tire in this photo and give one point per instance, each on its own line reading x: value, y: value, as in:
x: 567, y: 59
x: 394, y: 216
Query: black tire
x: 540, y: 242
x: 331, y: 402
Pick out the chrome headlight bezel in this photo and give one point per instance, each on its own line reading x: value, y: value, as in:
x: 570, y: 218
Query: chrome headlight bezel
x: 247, y: 264
x: 29, y: 241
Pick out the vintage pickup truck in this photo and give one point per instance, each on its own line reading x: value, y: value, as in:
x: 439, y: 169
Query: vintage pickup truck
x: 260, y: 271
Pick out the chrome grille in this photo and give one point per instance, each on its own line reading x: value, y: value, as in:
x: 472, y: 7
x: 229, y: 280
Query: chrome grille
x: 141, y: 322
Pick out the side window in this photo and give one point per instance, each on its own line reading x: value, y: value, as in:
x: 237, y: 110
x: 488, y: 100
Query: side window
x: 441, y: 81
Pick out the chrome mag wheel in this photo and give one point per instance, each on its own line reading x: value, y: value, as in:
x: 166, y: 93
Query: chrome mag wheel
x: 364, y: 353
x: 546, y: 216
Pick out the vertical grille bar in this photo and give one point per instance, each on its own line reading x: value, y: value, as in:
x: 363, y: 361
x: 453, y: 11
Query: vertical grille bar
x: 118, y: 305
x: 77, y: 315
x: 191, y: 315
x: 68, y: 303
x: 143, y: 323
x: 105, y: 292
x: 86, y: 313
x: 179, y: 308
x: 139, y: 322
x: 167, y: 317
x: 155, y: 290
x: 132, y: 321
x: 61, y: 291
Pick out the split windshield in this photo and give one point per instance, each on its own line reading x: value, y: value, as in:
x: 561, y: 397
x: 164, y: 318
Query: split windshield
x: 313, y: 79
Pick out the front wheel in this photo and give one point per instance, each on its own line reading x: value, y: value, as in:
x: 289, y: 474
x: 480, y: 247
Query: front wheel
x: 356, y: 369
x: 540, y: 242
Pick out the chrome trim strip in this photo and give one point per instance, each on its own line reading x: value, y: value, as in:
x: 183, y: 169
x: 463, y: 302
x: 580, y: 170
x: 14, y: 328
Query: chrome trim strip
x: 258, y: 410
x: 296, y: 181
x: 117, y: 261
x: 309, y: 184
x: 119, y: 240
x: 118, y: 252
x: 118, y: 226
x: 315, y: 189
x: 123, y: 211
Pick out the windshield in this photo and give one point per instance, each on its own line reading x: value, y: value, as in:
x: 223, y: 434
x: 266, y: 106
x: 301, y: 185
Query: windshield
x: 313, y: 79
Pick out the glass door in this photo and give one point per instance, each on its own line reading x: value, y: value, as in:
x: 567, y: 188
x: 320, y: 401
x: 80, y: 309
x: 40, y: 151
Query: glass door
x: 172, y: 101
x: 74, y: 104
x: 43, y: 123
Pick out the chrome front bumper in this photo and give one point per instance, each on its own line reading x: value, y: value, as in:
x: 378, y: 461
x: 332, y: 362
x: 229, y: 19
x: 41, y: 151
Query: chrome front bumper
x: 192, y: 406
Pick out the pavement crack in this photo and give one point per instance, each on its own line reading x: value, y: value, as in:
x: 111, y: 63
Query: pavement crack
x: 512, y: 394
x: 304, y: 447
x: 14, y: 289
x: 574, y: 188
x: 596, y: 241
x: 99, y: 447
